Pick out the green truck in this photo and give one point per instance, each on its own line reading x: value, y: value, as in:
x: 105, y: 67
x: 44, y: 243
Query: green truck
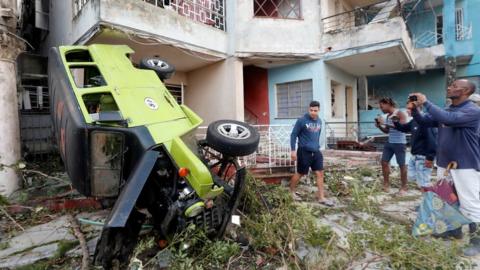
x: 124, y: 139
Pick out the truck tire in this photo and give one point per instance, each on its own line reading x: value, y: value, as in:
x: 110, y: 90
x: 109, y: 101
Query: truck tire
x: 232, y: 138
x: 163, y: 69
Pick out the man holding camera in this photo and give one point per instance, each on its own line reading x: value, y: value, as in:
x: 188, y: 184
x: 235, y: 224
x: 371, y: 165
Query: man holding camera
x: 458, y: 140
x: 396, y: 144
x: 423, y: 148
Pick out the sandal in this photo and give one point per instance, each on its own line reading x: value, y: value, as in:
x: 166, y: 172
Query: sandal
x: 401, y: 193
x: 296, y: 196
x: 326, y: 202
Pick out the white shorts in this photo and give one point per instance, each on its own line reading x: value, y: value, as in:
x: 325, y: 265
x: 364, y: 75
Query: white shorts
x: 467, y: 184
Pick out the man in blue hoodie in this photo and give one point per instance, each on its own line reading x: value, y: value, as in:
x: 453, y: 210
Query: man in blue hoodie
x: 459, y: 141
x: 423, y: 149
x: 308, y: 129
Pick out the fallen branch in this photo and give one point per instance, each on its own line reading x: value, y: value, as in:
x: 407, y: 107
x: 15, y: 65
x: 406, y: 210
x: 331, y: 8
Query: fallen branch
x: 11, y: 218
x: 81, y: 238
x: 46, y: 175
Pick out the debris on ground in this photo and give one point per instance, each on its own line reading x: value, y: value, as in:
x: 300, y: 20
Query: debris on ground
x: 366, y: 229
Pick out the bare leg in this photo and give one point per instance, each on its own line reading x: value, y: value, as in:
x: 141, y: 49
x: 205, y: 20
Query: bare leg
x: 403, y: 177
x: 294, y: 182
x: 320, y: 192
x: 386, y: 175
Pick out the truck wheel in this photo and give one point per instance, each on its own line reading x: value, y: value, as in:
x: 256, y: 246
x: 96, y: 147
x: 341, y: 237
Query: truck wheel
x: 232, y: 138
x: 163, y: 69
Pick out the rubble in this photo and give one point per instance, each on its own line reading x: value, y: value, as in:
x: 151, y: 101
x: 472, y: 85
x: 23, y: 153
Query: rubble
x: 350, y: 235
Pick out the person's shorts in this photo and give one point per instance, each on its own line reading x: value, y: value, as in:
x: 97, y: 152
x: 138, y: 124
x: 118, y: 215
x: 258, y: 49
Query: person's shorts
x: 397, y: 149
x: 308, y: 159
x: 418, y: 172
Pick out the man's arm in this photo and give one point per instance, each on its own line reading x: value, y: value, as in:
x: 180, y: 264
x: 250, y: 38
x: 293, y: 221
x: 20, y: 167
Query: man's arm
x: 379, y: 125
x: 293, y: 136
x: 403, y: 127
x: 423, y: 119
x: 403, y: 117
x: 431, y: 143
x: 453, y: 119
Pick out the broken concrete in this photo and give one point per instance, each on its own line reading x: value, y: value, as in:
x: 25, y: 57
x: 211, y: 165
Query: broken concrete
x: 29, y: 257
x: 36, y: 236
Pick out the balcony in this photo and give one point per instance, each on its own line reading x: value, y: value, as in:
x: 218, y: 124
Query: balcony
x: 209, y: 12
x: 370, y: 40
x: 193, y: 25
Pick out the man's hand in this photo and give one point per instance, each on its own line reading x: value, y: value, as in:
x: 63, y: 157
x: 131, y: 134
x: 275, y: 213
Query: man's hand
x: 421, y: 98
x: 378, y: 121
x: 428, y: 164
x: 411, y: 106
x: 293, y: 155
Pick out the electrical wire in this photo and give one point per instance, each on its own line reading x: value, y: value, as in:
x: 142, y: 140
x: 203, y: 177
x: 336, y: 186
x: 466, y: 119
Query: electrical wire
x: 186, y: 48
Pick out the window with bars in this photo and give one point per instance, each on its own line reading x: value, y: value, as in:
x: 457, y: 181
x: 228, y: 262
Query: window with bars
x: 293, y: 98
x: 176, y: 91
x: 439, y: 25
x: 78, y: 6
x: 461, y: 31
x: 284, y: 9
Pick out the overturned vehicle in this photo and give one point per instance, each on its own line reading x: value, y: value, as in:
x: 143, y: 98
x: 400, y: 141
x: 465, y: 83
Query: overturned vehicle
x: 125, y: 140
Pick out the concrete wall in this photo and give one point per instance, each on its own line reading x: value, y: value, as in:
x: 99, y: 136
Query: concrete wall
x: 278, y: 36
x: 66, y: 30
x: 369, y: 34
x: 141, y: 16
x: 216, y: 91
x: 344, y: 80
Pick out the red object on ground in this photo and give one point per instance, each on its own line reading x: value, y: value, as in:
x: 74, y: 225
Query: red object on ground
x: 70, y: 204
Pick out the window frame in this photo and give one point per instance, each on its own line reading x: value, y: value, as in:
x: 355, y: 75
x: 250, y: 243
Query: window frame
x: 277, y: 107
x: 299, y: 17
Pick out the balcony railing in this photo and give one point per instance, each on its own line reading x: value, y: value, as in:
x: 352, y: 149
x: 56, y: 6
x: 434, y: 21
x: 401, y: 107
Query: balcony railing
x: 209, y: 12
x: 361, y: 16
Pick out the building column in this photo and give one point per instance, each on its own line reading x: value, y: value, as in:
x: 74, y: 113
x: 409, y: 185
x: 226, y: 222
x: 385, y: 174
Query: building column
x: 449, y: 39
x: 10, y: 47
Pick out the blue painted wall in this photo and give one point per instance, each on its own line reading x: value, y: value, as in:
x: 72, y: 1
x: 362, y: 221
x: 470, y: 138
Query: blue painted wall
x: 297, y: 72
x: 398, y: 86
x: 471, y: 13
x: 422, y: 25
x: 313, y: 70
x: 423, y: 20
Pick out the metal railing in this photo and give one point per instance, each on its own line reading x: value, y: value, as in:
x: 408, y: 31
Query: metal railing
x: 427, y: 39
x: 274, y: 147
x: 377, y: 12
x: 209, y: 12
x: 463, y: 32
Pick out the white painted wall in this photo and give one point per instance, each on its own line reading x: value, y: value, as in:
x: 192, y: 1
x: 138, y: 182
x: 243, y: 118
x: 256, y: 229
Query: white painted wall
x: 216, y: 91
x: 277, y: 36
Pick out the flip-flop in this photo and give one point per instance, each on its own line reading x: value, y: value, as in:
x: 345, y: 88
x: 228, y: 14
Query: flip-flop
x: 326, y: 203
x: 295, y: 196
x: 401, y: 193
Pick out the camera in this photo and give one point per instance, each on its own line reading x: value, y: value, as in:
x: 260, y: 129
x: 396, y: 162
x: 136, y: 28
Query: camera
x: 412, y: 98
